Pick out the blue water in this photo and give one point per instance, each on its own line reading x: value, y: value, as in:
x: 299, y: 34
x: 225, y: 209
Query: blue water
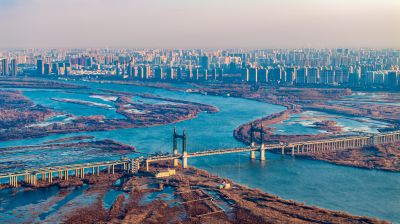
x: 166, y: 194
x: 303, y: 123
x: 358, y: 191
x: 111, y: 196
x: 71, y: 108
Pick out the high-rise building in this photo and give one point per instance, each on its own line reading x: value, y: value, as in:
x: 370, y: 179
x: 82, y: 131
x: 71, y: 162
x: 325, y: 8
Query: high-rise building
x: 274, y: 75
x: 170, y: 73
x: 39, y: 67
x: 245, y: 74
x: 369, y: 78
x: 221, y: 74
x: 312, y: 76
x: 13, y: 67
x: 214, y: 74
x: 205, y: 62
x: 135, y: 72
x: 355, y: 77
x: 253, y: 76
x: 179, y: 73
x: 67, y: 68
x: 380, y: 78
x: 301, y: 75
x: 147, y: 72
x: 55, y: 69
x: 4, y: 65
x: 327, y: 76
x: 196, y: 74
x: 263, y: 75
x: 190, y: 73
x: 339, y: 76
x: 46, y: 70
x: 393, y: 79
x: 290, y: 75
x: 205, y: 71
x: 158, y: 73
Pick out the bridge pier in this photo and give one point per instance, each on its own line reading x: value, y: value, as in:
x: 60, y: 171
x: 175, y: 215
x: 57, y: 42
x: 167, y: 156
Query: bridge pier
x: 31, y: 179
x: 252, y: 155
x: 135, y: 165
x: 262, y: 152
x: 184, y: 161
x: 13, y: 181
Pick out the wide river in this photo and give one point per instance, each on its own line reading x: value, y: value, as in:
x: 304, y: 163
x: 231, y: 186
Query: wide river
x: 357, y: 191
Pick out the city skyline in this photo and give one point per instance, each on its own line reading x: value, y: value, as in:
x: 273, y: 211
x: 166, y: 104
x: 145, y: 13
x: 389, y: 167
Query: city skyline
x: 200, y: 24
x: 308, y: 67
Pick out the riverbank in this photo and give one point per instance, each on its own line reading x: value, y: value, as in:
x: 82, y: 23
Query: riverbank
x: 383, y: 157
x: 331, y: 100
x: 21, y: 119
x: 242, y: 133
x: 195, y: 196
x: 36, y: 84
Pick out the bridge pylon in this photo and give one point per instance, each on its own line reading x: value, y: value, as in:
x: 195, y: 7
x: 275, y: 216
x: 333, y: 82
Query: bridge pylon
x: 253, y: 143
x: 184, y: 148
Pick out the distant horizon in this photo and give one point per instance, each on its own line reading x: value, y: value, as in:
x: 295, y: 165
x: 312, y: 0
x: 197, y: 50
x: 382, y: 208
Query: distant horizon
x: 185, y: 49
x: 197, y: 24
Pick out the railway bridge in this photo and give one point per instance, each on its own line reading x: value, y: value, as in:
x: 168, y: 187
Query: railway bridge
x: 31, y: 176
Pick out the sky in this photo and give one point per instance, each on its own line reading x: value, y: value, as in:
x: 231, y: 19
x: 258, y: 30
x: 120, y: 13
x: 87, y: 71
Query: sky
x: 200, y: 23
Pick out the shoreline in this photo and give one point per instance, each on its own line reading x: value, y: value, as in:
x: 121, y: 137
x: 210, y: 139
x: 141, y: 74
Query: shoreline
x: 244, y: 205
x: 357, y: 158
x: 281, y: 116
x: 173, y: 111
x: 194, y: 195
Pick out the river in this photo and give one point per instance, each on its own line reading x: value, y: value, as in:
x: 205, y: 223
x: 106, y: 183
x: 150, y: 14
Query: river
x: 357, y: 191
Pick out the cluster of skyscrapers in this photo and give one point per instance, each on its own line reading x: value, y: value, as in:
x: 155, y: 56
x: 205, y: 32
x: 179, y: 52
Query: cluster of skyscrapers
x: 347, y: 67
x: 327, y: 75
x: 8, y: 68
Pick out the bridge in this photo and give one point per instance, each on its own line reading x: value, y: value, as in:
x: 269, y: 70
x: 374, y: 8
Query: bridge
x: 30, y: 176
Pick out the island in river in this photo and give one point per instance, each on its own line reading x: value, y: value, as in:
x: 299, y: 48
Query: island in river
x: 21, y: 119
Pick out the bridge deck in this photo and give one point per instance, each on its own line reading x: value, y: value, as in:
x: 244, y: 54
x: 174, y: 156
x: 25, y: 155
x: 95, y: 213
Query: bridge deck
x: 221, y: 151
x: 63, y: 167
x: 195, y: 154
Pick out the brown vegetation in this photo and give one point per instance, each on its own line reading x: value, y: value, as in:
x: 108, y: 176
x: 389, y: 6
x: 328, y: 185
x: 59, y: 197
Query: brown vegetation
x: 328, y: 125
x: 36, y: 84
x: 18, y: 116
x: 16, y: 111
x: 242, y: 133
x: 197, y: 206
x: 384, y: 157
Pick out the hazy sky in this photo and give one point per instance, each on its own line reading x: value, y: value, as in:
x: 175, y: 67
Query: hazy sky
x: 200, y: 23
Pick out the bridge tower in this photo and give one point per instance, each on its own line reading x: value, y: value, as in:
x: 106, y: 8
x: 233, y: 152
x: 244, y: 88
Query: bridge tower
x: 253, y: 143
x: 184, y: 148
